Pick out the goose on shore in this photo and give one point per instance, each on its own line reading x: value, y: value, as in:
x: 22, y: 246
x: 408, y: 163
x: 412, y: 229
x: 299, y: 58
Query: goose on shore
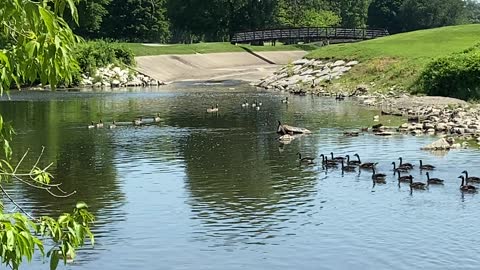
x: 434, y: 181
x: 305, y: 160
x: 471, y: 179
x: 465, y: 187
x: 406, y: 165
x: 426, y: 166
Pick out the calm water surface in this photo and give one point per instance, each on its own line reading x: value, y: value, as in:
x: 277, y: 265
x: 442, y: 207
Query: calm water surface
x: 203, y: 191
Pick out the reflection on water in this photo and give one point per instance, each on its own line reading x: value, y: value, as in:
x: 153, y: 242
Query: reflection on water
x: 217, y: 191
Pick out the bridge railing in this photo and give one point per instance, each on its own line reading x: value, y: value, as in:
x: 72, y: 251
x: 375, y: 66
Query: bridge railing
x: 307, y: 33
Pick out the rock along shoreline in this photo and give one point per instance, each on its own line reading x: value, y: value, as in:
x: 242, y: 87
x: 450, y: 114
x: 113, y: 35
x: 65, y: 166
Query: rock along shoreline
x: 441, y: 116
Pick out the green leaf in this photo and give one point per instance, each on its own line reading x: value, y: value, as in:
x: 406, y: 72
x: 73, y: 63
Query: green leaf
x: 10, y: 240
x: 81, y: 205
x: 54, y: 259
x: 48, y: 20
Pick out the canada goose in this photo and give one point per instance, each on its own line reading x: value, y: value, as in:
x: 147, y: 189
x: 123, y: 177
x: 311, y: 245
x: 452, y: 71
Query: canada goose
x: 400, y: 169
x: 348, y: 168
x: 339, y: 97
x: 466, y: 187
x: 113, y: 125
x: 434, y: 181
x: 138, y: 121
x: 285, y: 100
x: 336, y: 158
x: 305, y: 160
x: 352, y: 162
x: 213, y: 109
x: 426, y: 166
x: 257, y: 108
x: 92, y: 125
x: 254, y: 104
x: 406, y: 165
x: 156, y: 118
x: 245, y: 104
x: 376, y: 118
x: 328, y: 163
x: 99, y: 124
x: 472, y: 179
x: 417, y: 185
x: 259, y: 103
x: 404, y: 178
x: 378, y: 177
x: 351, y: 134
x: 366, y: 165
x: 377, y: 127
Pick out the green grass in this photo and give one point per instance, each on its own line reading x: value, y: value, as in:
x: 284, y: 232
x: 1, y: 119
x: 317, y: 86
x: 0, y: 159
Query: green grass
x: 214, y: 47
x: 399, y: 59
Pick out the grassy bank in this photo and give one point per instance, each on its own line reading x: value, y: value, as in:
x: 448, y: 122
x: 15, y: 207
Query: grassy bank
x: 398, y: 60
x: 214, y: 47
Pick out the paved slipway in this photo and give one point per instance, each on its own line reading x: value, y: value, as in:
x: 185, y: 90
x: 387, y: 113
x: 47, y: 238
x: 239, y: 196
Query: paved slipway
x: 215, y: 66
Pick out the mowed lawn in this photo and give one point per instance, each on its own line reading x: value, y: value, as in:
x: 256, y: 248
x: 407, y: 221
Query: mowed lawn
x: 140, y: 49
x: 399, y: 59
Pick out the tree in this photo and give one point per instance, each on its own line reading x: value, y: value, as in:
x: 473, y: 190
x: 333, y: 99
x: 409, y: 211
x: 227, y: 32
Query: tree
x: 385, y: 14
x: 423, y: 14
x: 472, y: 11
x: 137, y: 20
x: 37, y: 44
x: 353, y: 12
x: 301, y: 13
x: 91, y: 14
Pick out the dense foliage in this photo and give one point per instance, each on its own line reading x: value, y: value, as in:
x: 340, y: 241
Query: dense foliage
x: 92, y: 55
x: 36, y: 43
x: 454, y: 76
x: 214, y: 20
x: 407, y: 15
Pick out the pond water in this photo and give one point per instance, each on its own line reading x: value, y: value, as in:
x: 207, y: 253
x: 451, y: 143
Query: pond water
x: 217, y: 191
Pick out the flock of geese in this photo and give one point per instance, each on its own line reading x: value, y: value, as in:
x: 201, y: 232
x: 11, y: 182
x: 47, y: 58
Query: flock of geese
x: 348, y: 165
x: 245, y: 104
x: 139, y: 121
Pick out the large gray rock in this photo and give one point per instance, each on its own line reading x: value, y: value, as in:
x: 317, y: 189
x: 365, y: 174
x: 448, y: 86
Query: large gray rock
x: 301, y: 62
x: 441, y: 144
x: 339, y: 63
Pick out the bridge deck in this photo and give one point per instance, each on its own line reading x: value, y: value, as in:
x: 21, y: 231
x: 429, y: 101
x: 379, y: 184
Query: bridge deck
x: 307, y: 33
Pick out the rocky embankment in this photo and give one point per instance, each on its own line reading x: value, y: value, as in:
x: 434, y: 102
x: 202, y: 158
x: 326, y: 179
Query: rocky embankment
x: 446, y: 117
x: 114, y: 76
x: 307, y: 76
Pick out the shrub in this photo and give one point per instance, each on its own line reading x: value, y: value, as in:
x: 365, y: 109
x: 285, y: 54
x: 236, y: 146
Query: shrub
x: 95, y: 54
x: 455, y: 76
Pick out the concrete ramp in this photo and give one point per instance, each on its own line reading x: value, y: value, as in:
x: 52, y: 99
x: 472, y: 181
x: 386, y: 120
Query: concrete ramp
x: 215, y: 66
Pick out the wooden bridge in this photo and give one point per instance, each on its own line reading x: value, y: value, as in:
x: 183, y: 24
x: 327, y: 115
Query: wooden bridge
x: 307, y: 34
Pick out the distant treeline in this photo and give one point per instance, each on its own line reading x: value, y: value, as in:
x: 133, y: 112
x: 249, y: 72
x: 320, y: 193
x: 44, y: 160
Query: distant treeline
x: 214, y: 20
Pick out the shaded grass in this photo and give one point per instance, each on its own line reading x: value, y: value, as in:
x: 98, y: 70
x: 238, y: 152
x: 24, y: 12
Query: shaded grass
x: 398, y: 60
x: 214, y: 47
